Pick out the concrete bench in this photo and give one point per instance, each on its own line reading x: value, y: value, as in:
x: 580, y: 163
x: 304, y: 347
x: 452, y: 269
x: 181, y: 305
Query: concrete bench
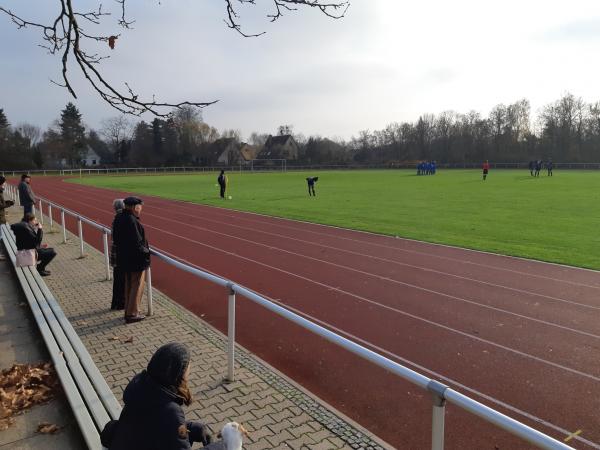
x: 89, y: 396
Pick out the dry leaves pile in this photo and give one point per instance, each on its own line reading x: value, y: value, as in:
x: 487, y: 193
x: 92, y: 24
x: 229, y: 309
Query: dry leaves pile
x: 22, y: 386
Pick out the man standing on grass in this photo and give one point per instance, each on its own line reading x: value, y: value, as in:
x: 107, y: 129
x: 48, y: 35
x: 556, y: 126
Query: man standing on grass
x: 222, y: 180
x: 549, y: 166
x: 311, y: 185
x: 486, y: 169
x: 26, y: 194
x: 133, y: 255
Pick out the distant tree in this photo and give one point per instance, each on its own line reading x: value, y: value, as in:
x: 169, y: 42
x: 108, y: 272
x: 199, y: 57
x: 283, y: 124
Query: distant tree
x: 116, y: 130
x: 258, y: 139
x: 72, y: 133
x: 231, y: 133
x: 32, y: 132
x: 283, y: 130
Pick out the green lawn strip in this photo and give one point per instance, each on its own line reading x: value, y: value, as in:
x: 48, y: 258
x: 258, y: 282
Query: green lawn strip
x: 551, y: 219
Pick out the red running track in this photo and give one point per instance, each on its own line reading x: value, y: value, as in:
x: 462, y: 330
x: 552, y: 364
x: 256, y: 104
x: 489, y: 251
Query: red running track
x: 520, y: 336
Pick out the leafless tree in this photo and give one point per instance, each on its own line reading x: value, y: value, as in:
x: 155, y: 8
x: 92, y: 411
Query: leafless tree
x: 69, y: 34
x: 32, y: 133
x: 116, y: 130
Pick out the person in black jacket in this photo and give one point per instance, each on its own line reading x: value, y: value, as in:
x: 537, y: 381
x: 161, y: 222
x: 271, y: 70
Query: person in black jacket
x: 152, y: 418
x: 118, y: 292
x: 28, y: 236
x: 133, y: 255
x: 26, y: 194
x: 222, y: 180
x: 311, y: 185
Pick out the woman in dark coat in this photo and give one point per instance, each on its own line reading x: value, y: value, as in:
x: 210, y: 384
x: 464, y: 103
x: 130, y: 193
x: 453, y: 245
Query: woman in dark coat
x: 118, y: 292
x: 152, y: 418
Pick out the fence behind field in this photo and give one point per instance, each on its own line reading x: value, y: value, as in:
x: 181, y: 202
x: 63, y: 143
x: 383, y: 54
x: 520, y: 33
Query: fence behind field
x: 440, y: 393
x: 279, y: 167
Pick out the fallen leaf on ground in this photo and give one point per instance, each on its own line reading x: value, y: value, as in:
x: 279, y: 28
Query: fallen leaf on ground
x: 128, y: 340
x: 48, y: 428
x: 23, y: 386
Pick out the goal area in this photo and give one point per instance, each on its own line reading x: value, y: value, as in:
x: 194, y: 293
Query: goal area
x: 264, y: 165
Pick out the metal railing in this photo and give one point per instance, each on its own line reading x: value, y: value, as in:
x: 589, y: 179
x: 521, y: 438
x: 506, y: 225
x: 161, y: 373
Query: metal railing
x: 441, y: 394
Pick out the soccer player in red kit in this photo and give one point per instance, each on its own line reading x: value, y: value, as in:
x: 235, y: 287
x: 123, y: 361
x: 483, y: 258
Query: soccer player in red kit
x: 486, y: 168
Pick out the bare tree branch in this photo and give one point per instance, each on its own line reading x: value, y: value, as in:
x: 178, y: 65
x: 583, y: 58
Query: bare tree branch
x: 65, y: 36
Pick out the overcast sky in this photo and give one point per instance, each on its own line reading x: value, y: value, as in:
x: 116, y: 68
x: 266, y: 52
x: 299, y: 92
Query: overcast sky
x: 386, y: 61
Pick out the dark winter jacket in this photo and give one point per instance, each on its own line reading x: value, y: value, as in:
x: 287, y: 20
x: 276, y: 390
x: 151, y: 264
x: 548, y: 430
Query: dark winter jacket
x: 129, y: 237
x: 26, y: 194
x: 3, y: 205
x: 26, y: 236
x: 152, y: 419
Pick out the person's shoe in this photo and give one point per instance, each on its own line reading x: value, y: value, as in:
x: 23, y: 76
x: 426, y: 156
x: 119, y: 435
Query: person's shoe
x: 134, y: 319
x: 44, y: 273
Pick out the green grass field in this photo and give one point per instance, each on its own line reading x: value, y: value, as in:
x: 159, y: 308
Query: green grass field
x: 551, y: 219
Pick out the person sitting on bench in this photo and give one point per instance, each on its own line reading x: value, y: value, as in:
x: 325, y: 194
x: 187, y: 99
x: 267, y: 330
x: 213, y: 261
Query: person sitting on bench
x: 29, y: 235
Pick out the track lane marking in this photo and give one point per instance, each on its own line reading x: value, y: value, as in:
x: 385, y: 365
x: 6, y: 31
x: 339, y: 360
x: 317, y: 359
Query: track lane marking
x: 380, y: 277
x: 329, y: 287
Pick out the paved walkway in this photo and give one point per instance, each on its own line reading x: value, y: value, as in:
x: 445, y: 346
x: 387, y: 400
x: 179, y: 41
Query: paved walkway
x: 21, y: 342
x: 277, y: 413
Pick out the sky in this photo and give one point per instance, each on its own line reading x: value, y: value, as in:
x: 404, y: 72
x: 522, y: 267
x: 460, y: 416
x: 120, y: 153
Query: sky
x: 385, y: 61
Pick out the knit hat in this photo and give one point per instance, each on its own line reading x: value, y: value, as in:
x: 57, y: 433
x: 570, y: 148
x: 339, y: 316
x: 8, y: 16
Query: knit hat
x: 168, y: 365
x: 132, y: 201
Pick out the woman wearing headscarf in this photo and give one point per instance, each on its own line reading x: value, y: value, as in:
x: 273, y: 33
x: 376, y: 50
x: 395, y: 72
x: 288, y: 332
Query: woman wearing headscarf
x: 153, y: 418
x: 118, y: 293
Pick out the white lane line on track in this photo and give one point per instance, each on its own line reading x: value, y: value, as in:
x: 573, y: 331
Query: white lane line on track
x: 412, y: 286
x: 435, y: 374
x: 426, y: 269
x: 271, y: 219
x: 303, y: 230
x: 373, y: 302
x: 391, y: 261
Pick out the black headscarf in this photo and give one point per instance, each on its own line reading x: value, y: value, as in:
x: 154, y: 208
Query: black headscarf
x: 168, y: 365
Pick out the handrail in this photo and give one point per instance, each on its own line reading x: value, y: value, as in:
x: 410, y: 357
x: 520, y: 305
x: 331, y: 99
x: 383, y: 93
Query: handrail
x: 440, y: 392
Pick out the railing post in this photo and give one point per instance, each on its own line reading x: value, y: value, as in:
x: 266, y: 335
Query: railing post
x: 437, y: 389
x: 80, y: 230
x: 149, y: 292
x: 50, y: 215
x: 41, y: 214
x: 64, y: 226
x: 106, y: 254
x: 230, y: 333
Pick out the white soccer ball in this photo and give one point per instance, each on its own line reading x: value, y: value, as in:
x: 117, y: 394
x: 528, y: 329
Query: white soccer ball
x: 230, y: 197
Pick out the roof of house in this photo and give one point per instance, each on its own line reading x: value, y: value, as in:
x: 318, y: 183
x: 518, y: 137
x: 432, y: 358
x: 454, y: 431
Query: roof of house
x: 272, y: 147
x: 249, y: 152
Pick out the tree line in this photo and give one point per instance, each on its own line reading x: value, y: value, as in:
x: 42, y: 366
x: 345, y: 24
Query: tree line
x: 567, y: 130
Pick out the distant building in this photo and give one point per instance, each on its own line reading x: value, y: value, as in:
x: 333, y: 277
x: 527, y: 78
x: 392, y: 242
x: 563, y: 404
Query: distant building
x: 279, y: 147
x: 90, y: 158
x: 233, y: 153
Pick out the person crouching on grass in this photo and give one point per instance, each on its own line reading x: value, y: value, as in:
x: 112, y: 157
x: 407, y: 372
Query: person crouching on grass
x: 133, y: 255
x: 152, y: 418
